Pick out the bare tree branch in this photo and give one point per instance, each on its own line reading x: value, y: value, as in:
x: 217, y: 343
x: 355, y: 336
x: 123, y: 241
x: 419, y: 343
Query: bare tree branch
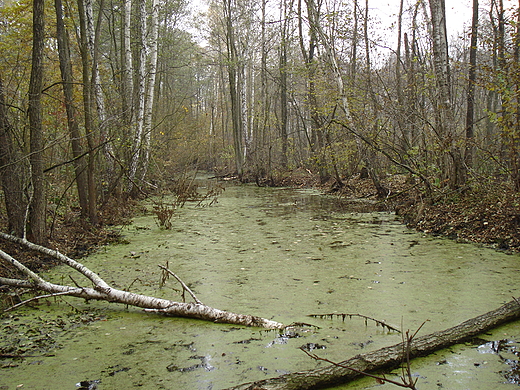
x: 186, y: 288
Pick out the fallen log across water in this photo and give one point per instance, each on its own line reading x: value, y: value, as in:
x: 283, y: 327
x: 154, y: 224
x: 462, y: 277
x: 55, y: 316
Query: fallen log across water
x: 388, y: 357
x: 101, y: 290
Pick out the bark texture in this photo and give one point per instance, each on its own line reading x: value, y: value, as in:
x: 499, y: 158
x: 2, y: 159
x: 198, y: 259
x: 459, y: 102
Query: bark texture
x: 12, y: 172
x: 388, y: 357
x: 72, y: 114
x: 38, y: 205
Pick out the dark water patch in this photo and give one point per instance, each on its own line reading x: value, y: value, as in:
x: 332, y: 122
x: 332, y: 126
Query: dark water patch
x: 117, y: 369
x: 508, y: 351
x: 312, y: 346
x: 204, y: 364
x: 247, y: 341
x: 88, y: 384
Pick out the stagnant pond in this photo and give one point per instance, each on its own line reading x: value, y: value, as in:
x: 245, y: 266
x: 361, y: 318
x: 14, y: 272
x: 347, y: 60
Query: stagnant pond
x: 281, y: 254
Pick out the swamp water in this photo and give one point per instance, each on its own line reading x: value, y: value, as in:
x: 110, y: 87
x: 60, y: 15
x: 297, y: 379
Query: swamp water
x: 280, y: 254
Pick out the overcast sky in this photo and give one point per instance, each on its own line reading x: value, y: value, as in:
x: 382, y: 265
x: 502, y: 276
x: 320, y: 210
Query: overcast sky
x: 458, y: 13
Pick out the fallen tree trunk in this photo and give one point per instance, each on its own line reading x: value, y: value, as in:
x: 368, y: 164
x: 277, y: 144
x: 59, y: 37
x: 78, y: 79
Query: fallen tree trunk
x: 103, y: 291
x: 388, y: 357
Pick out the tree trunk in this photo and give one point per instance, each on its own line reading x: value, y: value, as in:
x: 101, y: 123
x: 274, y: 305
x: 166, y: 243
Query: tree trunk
x: 37, y: 215
x: 103, y: 291
x: 470, y: 98
x: 452, y: 165
x: 72, y: 114
x: 402, y: 109
x: 140, y: 103
x: 315, y: 137
x: 150, y: 86
x: 388, y: 357
x: 284, y: 84
x: 12, y: 173
x: 128, y: 70
x: 354, y: 44
x: 235, y: 86
x: 88, y: 111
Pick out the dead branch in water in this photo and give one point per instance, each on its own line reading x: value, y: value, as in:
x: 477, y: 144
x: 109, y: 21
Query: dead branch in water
x: 343, y: 316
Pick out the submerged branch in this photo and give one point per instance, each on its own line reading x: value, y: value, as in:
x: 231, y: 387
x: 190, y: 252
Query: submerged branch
x: 35, y: 299
x: 379, y: 378
x: 381, y: 323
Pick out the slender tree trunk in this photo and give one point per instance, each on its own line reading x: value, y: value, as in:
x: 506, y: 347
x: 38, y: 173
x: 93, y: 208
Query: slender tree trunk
x: 470, y: 98
x: 140, y: 103
x: 315, y: 138
x: 101, y: 290
x: 150, y: 86
x: 88, y: 108
x: 369, y: 157
x: 97, y: 90
x: 401, y: 119
x: 353, y: 58
x: 72, y: 114
x: 37, y: 215
x: 235, y: 87
x: 12, y: 175
x: 127, y: 85
x: 453, y: 164
x: 283, y: 84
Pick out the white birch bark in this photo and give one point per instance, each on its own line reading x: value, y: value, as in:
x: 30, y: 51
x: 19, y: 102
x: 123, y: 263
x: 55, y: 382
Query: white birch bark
x: 453, y: 167
x: 328, y: 45
x: 150, y: 85
x: 128, y: 68
x: 140, y: 100
x: 440, y: 50
x: 92, y: 39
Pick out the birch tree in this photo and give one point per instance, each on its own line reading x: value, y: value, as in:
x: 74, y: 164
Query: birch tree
x: 102, y: 291
x: 127, y: 65
x: 144, y: 89
x: 452, y: 163
x: 150, y: 85
x: 140, y: 92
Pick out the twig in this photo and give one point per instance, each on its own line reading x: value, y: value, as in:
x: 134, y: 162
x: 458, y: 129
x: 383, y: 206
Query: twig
x: 379, y: 378
x: 186, y: 288
x: 350, y: 315
x: 41, y: 297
